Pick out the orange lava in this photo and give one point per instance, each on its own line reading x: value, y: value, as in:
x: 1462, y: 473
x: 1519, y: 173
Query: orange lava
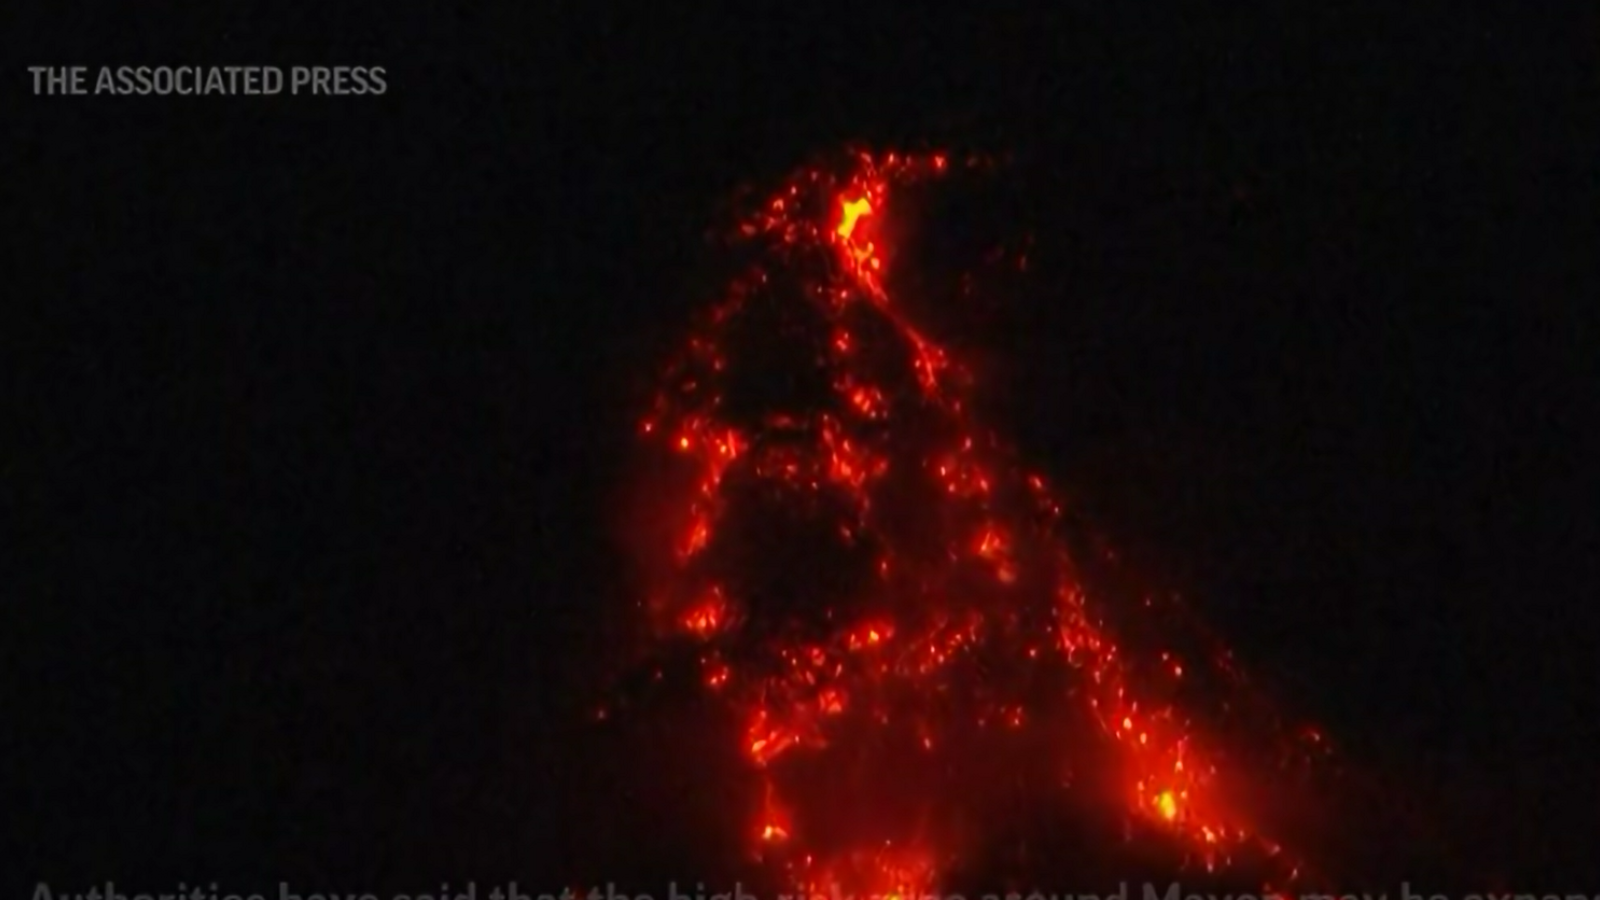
x: 976, y: 573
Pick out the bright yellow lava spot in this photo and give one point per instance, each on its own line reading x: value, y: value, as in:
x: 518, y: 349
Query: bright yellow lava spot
x: 1167, y: 804
x: 853, y: 211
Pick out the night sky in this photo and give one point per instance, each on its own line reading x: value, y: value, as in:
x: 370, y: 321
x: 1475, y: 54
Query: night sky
x: 317, y: 408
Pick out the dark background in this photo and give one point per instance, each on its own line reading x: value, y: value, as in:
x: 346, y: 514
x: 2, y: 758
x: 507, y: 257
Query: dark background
x: 315, y: 408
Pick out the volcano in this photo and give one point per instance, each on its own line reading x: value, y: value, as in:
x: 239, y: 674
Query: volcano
x: 908, y: 667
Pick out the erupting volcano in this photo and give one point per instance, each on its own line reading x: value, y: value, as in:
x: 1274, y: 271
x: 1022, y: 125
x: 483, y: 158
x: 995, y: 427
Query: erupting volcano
x: 929, y: 668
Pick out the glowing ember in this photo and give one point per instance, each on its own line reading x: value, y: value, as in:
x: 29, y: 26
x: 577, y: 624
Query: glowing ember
x: 945, y: 601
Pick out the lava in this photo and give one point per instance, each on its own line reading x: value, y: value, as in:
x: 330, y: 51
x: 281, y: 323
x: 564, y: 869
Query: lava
x: 868, y: 575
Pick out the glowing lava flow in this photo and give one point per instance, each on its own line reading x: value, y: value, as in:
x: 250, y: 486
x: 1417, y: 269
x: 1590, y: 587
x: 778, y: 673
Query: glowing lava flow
x: 914, y: 591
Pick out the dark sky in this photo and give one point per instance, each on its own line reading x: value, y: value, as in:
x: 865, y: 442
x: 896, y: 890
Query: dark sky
x: 316, y: 406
